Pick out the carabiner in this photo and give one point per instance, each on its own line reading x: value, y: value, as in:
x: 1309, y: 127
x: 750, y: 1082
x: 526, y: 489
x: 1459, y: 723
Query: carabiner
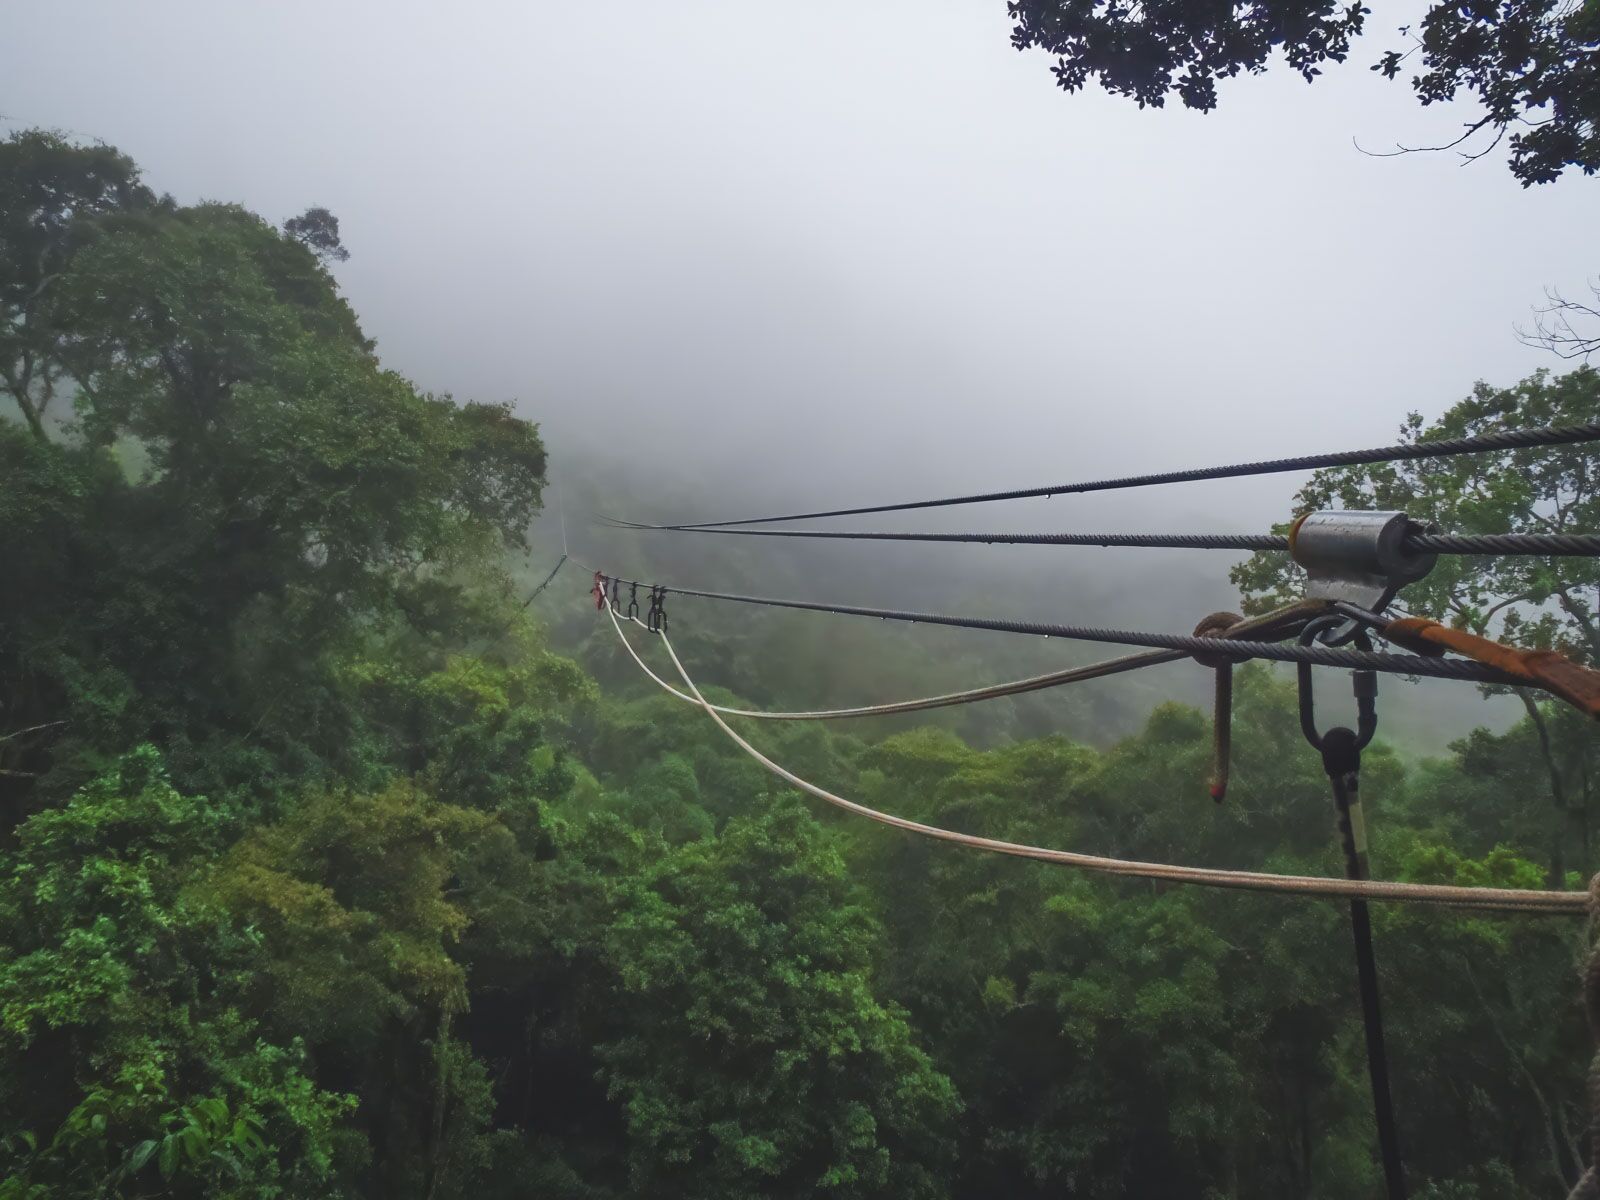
x: 1364, y: 684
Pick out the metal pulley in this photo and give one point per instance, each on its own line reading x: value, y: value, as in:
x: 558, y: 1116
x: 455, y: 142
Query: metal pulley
x: 1358, y: 557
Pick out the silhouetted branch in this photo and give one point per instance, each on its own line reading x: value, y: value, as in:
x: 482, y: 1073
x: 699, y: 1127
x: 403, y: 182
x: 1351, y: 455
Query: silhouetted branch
x: 1450, y: 145
x: 1554, y: 329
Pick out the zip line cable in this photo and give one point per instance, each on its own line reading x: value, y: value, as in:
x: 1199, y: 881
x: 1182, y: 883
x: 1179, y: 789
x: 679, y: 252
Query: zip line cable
x: 560, y: 562
x: 1324, y: 656
x: 1279, y: 618
x: 534, y: 595
x: 1560, y: 545
x: 1100, y: 670
x: 561, y: 515
x: 1511, y: 439
x: 1486, y: 899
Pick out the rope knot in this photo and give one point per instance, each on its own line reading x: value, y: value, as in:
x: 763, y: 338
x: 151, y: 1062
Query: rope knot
x: 1216, y: 625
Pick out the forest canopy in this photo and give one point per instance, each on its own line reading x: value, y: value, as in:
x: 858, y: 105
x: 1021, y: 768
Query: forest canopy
x: 330, y: 866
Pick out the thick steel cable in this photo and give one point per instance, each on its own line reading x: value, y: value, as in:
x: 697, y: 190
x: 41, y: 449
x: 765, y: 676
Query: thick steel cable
x: 1548, y: 545
x: 1015, y: 687
x: 1490, y: 899
x: 1324, y: 656
x: 1511, y: 439
x: 548, y: 579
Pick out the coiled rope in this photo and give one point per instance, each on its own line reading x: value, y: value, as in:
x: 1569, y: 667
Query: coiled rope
x: 1487, y: 899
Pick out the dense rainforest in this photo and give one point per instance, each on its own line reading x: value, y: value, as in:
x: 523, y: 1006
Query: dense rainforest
x: 332, y: 866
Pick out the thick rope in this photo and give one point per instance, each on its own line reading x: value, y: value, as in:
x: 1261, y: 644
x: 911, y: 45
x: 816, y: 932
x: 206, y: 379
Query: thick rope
x: 1015, y: 687
x: 1588, y: 1185
x: 1232, y: 626
x: 1218, y: 624
x: 1488, y: 899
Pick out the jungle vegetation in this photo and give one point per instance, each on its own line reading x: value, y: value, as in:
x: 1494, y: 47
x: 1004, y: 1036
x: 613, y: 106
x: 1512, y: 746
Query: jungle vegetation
x: 330, y: 868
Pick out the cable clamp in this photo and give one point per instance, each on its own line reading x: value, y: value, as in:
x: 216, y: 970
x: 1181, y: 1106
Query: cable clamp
x: 1358, y: 557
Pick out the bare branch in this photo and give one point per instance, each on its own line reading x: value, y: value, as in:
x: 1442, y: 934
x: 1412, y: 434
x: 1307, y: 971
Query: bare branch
x: 1471, y: 129
x: 1553, y: 327
x: 16, y: 733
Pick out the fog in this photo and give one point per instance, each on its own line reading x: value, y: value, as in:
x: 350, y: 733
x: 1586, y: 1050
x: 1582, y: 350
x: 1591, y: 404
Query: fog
x: 738, y: 256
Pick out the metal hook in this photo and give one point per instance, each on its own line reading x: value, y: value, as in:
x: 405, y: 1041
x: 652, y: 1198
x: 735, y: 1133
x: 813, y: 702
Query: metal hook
x: 656, y: 619
x: 1363, y: 683
x: 1341, y: 748
x: 633, y: 602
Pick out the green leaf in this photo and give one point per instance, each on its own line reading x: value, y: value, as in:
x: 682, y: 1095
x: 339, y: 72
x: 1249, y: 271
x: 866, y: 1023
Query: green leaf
x: 170, y: 1150
x: 141, y: 1155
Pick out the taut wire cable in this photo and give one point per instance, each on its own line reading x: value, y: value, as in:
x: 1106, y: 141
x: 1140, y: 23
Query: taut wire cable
x: 1509, y: 439
x: 1489, y: 899
x: 1543, y: 545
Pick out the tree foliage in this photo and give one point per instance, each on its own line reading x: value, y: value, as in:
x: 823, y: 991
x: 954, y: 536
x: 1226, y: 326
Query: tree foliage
x: 323, y: 875
x: 1532, y: 67
x: 1530, y: 601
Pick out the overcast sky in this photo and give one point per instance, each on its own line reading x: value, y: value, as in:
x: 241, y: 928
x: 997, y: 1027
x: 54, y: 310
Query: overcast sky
x: 851, y: 248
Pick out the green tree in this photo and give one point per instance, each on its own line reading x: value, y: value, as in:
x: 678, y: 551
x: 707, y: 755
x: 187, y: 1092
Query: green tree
x: 1528, y: 601
x: 744, y: 1043
x: 1533, y: 66
x: 53, y: 195
x: 119, y: 1060
x: 357, y: 927
x: 247, y: 497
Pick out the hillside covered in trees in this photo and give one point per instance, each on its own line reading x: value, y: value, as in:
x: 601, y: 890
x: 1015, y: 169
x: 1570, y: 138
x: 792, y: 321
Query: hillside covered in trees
x: 332, y: 867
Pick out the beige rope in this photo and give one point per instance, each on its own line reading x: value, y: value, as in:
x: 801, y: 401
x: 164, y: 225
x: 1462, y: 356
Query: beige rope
x: 1306, y: 885
x: 1033, y: 683
x: 1236, y: 627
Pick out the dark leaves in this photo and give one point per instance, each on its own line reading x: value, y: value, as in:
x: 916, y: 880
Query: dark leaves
x: 1533, y: 65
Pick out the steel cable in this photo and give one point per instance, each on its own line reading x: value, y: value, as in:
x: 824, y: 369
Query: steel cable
x: 548, y: 579
x: 1510, y: 439
x: 1548, y: 545
x: 1033, y: 683
x: 1325, y: 656
x: 1493, y: 899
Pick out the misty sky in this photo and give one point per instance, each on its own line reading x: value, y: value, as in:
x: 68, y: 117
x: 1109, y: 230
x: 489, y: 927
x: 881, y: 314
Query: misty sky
x: 843, y: 250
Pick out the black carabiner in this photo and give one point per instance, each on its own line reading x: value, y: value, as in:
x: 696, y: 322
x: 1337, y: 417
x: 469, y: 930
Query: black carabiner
x: 1363, y: 683
x: 656, y: 619
x: 1341, y: 748
x: 633, y: 602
